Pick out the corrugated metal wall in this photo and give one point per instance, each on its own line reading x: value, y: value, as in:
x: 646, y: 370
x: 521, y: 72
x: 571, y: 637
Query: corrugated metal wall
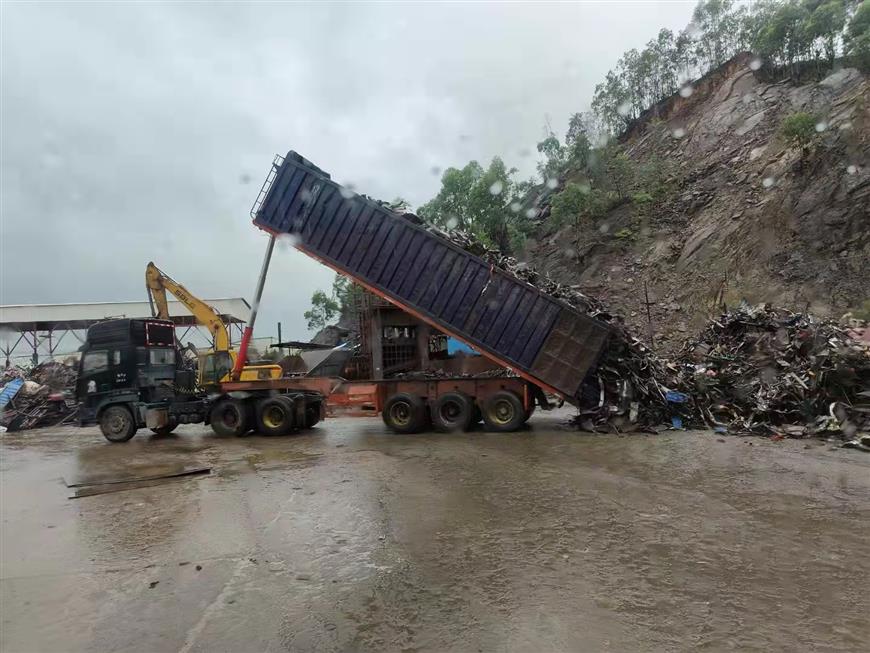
x: 418, y: 270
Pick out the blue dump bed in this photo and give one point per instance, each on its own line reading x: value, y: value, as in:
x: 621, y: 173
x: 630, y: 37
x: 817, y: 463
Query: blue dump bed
x: 513, y: 323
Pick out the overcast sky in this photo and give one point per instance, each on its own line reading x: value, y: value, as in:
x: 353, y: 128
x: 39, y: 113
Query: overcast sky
x: 143, y: 131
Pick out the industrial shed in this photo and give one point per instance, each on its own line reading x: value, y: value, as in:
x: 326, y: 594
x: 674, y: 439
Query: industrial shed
x: 49, y: 330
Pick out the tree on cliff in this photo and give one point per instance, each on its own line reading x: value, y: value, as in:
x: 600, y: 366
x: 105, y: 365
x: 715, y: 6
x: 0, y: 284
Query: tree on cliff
x: 484, y: 202
x: 781, y: 33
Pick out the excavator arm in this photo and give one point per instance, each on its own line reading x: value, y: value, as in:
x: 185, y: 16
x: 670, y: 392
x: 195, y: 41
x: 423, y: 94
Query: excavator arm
x: 158, y: 282
x: 222, y: 364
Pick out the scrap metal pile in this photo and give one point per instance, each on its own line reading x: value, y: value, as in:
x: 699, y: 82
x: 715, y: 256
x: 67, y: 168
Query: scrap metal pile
x: 753, y: 370
x: 766, y: 370
x: 632, y: 387
x: 38, y: 397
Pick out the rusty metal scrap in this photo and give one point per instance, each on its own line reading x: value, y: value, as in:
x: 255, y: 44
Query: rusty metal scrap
x: 752, y: 370
x: 45, y: 400
x: 767, y: 370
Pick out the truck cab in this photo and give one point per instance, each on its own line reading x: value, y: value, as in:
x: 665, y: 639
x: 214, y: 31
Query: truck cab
x: 131, y: 376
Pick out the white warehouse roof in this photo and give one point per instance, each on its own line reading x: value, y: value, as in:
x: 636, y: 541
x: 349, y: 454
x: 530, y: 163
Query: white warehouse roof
x: 43, y: 317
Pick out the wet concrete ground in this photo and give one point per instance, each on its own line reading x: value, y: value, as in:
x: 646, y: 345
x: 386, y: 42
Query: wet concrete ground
x: 353, y: 539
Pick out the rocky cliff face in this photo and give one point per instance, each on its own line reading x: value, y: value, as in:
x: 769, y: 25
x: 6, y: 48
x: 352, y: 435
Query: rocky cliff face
x: 748, y: 217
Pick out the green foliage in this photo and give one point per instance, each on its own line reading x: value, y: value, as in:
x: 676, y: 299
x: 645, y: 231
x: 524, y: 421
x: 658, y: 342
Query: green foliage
x: 642, y: 199
x: 609, y: 178
x: 781, y: 32
x: 857, y: 38
x: 325, y: 308
x: 555, y: 157
x: 799, y: 130
x: 579, y: 204
x: 620, y: 171
x: 483, y: 202
x: 569, y: 205
x: 625, y: 235
x: 346, y: 293
x: 653, y: 178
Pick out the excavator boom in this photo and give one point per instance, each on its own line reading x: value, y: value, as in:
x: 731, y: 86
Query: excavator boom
x: 158, y: 282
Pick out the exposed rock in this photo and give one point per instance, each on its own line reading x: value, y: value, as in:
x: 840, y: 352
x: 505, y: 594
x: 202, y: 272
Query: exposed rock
x: 748, y: 218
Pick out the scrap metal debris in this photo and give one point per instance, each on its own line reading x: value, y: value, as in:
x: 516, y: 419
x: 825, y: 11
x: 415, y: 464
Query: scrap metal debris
x: 105, y: 485
x: 753, y: 370
x: 435, y: 373
x: 45, y: 396
x: 629, y: 389
x: 767, y: 370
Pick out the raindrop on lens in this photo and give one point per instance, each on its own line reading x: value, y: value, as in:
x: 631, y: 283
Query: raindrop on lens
x: 347, y: 191
x: 496, y: 188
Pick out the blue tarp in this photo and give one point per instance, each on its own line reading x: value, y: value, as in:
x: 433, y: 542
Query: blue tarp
x: 9, y: 391
x: 454, y: 346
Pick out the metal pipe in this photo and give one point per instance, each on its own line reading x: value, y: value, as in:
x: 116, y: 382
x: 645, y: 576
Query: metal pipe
x: 258, y: 294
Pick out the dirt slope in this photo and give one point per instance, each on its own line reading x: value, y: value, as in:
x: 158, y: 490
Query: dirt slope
x: 747, y: 218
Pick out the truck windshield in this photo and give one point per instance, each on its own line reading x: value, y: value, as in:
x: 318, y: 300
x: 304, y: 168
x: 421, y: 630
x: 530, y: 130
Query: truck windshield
x: 161, y: 356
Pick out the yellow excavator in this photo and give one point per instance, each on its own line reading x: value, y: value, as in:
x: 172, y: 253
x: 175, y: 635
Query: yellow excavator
x: 215, y: 366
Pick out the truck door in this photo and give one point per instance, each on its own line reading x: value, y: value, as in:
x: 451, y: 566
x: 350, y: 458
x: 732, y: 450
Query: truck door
x: 97, y: 374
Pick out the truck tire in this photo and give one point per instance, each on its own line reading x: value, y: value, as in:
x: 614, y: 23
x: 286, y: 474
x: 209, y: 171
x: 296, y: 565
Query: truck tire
x: 405, y: 413
x: 312, y: 415
x: 230, y: 417
x: 275, y: 415
x: 116, y: 423
x: 453, y: 411
x: 503, y: 411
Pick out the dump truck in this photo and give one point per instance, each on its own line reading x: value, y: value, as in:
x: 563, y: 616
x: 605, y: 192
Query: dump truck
x: 550, y: 345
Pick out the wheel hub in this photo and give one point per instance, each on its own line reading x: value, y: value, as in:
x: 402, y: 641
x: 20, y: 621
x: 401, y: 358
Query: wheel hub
x: 401, y: 413
x: 504, y: 412
x: 229, y: 417
x: 274, y: 417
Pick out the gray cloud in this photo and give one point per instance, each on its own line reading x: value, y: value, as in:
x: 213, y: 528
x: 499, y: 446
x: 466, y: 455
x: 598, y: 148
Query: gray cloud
x: 143, y: 131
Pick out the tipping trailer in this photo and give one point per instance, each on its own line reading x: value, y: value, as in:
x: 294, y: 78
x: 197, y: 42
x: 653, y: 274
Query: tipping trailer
x: 549, y: 344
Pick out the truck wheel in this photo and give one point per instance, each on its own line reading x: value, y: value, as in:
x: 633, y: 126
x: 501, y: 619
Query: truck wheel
x: 453, y: 411
x: 275, y: 415
x: 229, y: 417
x: 312, y: 415
x: 405, y: 413
x: 503, y: 411
x: 164, y: 430
x: 117, y: 425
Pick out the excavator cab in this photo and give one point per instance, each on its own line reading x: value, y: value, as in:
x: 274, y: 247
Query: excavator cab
x: 215, y: 367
